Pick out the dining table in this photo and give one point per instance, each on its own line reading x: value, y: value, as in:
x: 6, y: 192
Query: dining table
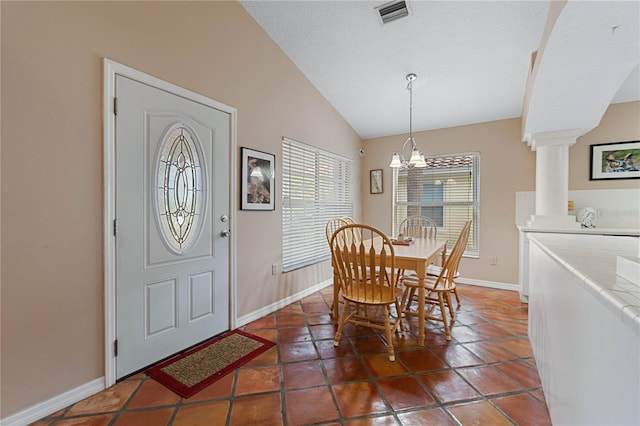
x: 416, y: 256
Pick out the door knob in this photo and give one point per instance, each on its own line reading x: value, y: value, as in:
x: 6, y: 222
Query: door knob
x: 226, y: 233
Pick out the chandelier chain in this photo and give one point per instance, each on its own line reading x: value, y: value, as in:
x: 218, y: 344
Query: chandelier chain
x: 410, y: 88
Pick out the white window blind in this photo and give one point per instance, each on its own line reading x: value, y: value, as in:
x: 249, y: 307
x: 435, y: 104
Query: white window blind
x: 447, y: 190
x: 316, y: 186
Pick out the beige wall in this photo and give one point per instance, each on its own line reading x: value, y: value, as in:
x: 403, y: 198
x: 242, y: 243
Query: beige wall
x: 620, y: 123
x: 51, y: 170
x: 52, y: 209
x: 506, y: 165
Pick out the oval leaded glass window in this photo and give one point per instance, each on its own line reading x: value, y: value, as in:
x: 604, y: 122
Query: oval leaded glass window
x: 180, y: 188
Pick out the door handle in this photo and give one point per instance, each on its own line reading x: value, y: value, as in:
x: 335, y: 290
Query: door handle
x: 226, y: 233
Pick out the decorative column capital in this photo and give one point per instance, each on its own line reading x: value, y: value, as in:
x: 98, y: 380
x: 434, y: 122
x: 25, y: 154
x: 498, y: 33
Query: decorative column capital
x: 555, y: 138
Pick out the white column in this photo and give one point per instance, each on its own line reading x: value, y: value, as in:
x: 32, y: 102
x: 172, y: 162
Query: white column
x: 552, y: 179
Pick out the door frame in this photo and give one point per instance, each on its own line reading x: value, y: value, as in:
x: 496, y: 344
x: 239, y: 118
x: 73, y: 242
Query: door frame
x: 110, y: 70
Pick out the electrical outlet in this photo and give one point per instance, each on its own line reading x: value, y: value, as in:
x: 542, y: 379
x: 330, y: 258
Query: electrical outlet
x: 493, y: 261
x: 274, y: 269
x: 570, y: 205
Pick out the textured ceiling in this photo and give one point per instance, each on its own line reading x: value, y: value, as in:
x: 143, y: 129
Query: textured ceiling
x: 472, y: 58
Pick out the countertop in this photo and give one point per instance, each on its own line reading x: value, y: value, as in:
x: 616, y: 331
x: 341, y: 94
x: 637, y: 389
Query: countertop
x: 579, y: 230
x: 592, y: 259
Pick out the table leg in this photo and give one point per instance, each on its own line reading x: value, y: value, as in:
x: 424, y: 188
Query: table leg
x: 421, y: 272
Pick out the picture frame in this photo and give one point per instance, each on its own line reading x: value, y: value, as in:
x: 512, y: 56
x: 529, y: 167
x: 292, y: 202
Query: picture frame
x: 618, y: 160
x: 375, y: 181
x: 258, y: 176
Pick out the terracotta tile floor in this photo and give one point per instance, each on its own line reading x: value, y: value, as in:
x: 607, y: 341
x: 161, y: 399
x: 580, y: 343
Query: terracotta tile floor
x: 484, y: 376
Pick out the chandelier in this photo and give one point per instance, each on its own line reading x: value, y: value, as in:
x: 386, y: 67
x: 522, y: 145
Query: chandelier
x: 416, y: 159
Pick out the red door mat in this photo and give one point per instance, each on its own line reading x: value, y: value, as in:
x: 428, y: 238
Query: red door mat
x: 190, y: 372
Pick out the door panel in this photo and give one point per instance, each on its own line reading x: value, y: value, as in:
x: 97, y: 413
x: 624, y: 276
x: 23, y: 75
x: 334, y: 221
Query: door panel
x: 201, y: 296
x: 160, y: 307
x: 172, y: 183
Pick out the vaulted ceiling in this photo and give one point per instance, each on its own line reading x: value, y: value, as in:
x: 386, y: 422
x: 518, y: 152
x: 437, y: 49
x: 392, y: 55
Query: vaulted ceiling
x: 472, y: 58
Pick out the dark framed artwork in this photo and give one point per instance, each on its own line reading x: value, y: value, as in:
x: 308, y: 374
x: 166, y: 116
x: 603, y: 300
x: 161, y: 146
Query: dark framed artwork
x: 619, y: 160
x: 258, y: 171
x: 375, y: 181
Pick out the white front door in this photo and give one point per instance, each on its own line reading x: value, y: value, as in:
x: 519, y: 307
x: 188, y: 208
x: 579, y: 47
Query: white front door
x: 172, y: 204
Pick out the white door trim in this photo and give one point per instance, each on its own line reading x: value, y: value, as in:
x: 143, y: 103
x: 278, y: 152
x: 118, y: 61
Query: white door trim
x: 110, y: 69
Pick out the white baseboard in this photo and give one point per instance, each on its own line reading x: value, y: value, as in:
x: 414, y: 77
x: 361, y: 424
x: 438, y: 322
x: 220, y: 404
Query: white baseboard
x: 43, y: 409
x: 246, y: 319
x: 489, y: 284
x: 65, y: 399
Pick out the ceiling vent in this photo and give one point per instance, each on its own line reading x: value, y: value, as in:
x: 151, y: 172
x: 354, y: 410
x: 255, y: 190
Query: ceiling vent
x: 392, y: 11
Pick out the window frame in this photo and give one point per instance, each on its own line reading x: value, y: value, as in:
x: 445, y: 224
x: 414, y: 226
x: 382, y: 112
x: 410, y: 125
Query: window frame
x: 473, y: 247
x: 310, y: 199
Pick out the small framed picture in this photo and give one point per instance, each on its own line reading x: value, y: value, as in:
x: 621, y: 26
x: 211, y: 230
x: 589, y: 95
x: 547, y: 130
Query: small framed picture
x: 619, y: 160
x: 375, y: 181
x: 258, y: 180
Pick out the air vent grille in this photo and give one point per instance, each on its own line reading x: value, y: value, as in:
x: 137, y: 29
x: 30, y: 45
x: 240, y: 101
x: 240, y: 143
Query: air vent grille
x: 392, y: 11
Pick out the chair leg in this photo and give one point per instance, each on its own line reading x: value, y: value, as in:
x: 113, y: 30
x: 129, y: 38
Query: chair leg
x: 451, y: 311
x: 400, y: 273
x: 412, y: 293
x: 443, y: 312
x: 336, y: 310
x: 455, y: 292
x: 399, y: 319
x: 404, y: 297
x: 341, y: 323
x: 389, y: 331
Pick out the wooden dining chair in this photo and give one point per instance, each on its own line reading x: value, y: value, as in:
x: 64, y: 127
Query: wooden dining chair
x: 331, y: 227
x: 435, y: 270
x: 418, y: 226
x: 349, y: 219
x: 437, y: 289
x: 367, y: 295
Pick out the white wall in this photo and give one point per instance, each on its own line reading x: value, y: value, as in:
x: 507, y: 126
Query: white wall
x: 586, y: 355
x: 616, y: 208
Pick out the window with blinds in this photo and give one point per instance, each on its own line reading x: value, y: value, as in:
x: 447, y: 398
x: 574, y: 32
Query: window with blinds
x: 316, y: 186
x: 447, y: 191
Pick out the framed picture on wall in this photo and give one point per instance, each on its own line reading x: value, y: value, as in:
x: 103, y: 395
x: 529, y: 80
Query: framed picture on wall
x: 619, y: 160
x: 258, y: 173
x: 375, y: 181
